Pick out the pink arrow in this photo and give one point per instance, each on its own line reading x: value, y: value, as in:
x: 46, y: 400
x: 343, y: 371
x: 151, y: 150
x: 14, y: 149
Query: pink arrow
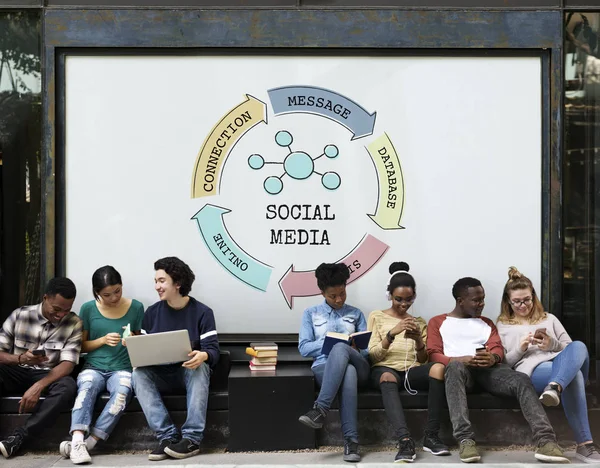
x: 303, y: 283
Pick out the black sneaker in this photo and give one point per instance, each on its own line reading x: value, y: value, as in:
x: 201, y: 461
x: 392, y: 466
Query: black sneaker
x: 433, y: 444
x: 12, y: 444
x: 184, y: 449
x: 407, y: 453
x: 314, y: 418
x: 351, y: 451
x: 159, y: 453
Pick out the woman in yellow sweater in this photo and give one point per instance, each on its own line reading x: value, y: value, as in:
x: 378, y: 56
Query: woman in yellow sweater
x: 399, y: 358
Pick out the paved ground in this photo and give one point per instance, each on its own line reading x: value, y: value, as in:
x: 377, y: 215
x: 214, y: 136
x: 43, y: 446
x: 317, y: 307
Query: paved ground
x: 373, y: 458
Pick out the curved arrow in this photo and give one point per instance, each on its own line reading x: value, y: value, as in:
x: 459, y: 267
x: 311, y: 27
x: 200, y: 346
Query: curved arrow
x: 220, y: 142
x: 326, y: 103
x: 390, y: 199
x: 216, y: 237
x: 362, y: 258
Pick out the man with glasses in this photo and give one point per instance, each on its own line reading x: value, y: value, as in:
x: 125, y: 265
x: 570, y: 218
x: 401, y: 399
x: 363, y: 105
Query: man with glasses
x: 470, y: 347
x: 39, y: 347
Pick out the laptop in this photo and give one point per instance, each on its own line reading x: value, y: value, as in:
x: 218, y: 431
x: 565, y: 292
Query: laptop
x: 159, y: 348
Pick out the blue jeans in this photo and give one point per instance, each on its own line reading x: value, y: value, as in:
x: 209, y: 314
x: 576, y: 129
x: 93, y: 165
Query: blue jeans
x: 342, y: 373
x: 149, y: 382
x: 90, y: 383
x: 570, y: 369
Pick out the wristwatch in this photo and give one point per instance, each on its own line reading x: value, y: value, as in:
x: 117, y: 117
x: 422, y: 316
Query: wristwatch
x: 390, y: 338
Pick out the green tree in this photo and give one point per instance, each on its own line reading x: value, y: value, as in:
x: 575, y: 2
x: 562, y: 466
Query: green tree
x: 19, y: 47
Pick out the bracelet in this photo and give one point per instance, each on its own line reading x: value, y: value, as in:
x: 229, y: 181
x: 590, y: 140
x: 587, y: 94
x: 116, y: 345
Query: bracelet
x: 390, y: 338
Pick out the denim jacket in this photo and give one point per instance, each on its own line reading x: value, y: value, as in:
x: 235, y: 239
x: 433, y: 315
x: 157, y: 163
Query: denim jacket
x: 320, y: 319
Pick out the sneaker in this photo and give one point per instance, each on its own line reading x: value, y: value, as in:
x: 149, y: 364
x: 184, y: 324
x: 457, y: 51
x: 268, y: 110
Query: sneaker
x: 11, y: 444
x: 65, y: 448
x: 550, y: 452
x: 79, y: 454
x: 551, y: 395
x: 314, y: 418
x: 588, y: 453
x: 351, y: 451
x: 433, y: 444
x: 468, y: 451
x: 159, y: 453
x: 184, y: 449
x: 407, y: 451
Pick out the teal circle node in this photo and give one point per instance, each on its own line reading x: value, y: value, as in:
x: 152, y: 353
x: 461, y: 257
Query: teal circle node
x: 331, y: 151
x: 331, y: 180
x: 298, y: 165
x: 284, y: 138
x: 273, y: 185
x: 256, y: 161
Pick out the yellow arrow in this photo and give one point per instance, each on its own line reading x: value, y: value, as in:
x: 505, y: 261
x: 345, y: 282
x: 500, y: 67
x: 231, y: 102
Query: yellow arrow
x: 220, y: 142
x: 390, y: 201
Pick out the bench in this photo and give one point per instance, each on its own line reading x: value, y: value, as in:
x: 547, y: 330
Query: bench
x: 497, y: 421
x: 132, y: 432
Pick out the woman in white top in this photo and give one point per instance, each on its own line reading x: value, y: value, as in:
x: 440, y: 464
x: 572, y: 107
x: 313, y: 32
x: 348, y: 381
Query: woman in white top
x: 538, y: 345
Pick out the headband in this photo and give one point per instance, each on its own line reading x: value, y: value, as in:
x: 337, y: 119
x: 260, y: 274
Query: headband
x: 395, y: 273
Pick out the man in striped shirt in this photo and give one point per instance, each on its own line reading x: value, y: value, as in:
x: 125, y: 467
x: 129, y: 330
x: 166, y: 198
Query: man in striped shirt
x: 39, y: 347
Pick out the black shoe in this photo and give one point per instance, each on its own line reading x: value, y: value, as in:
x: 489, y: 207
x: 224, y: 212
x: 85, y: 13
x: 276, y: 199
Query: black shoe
x: 407, y: 453
x: 433, y: 444
x: 12, y: 444
x: 184, y: 449
x: 351, y: 451
x: 314, y: 418
x: 159, y: 453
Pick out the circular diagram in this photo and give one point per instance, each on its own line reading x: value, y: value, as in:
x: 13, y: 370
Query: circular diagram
x: 296, y: 167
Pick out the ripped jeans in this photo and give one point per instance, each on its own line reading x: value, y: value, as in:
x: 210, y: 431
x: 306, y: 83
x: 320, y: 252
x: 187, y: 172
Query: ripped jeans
x: 90, y: 383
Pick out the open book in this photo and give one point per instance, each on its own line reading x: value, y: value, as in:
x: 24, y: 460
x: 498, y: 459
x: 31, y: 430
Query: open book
x: 361, y: 340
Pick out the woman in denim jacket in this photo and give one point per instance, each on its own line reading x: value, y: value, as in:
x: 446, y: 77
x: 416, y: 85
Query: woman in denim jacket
x: 344, y: 368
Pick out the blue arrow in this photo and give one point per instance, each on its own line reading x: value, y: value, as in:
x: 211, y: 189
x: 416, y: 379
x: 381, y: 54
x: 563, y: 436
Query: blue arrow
x: 227, y: 252
x: 324, y: 102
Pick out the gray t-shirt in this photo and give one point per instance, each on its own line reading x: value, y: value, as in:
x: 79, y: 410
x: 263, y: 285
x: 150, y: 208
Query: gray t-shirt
x: 527, y: 361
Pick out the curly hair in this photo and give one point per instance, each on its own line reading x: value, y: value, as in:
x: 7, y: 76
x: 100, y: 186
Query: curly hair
x: 517, y: 280
x: 179, y: 272
x: 461, y: 287
x: 331, y: 274
x: 61, y: 285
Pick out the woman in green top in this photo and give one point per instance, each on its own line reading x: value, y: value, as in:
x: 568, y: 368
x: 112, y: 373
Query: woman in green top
x: 107, y: 365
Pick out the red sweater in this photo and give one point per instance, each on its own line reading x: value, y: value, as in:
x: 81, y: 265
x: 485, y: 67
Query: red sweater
x: 435, y: 342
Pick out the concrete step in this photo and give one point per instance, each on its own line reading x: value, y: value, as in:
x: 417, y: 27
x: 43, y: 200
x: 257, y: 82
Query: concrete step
x: 330, y: 458
x: 504, y: 427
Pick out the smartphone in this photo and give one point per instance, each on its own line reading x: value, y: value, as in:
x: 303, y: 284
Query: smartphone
x: 39, y: 352
x: 482, y: 348
x: 539, y: 333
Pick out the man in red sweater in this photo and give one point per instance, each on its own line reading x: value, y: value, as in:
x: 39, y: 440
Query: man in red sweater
x: 470, y: 348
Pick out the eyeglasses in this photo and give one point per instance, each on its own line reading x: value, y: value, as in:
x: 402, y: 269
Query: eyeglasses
x: 527, y: 301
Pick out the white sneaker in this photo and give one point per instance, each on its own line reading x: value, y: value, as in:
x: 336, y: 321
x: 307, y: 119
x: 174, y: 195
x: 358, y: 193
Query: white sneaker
x: 65, y: 448
x: 550, y: 396
x: 79, y: 453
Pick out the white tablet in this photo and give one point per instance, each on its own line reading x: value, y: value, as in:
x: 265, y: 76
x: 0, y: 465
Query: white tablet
x: 159, y: 348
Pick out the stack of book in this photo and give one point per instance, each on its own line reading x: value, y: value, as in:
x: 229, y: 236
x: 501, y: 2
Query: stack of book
x: 264, y: 356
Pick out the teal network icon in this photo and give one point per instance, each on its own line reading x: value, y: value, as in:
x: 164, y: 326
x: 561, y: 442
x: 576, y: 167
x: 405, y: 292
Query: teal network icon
x: 297, y: 164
